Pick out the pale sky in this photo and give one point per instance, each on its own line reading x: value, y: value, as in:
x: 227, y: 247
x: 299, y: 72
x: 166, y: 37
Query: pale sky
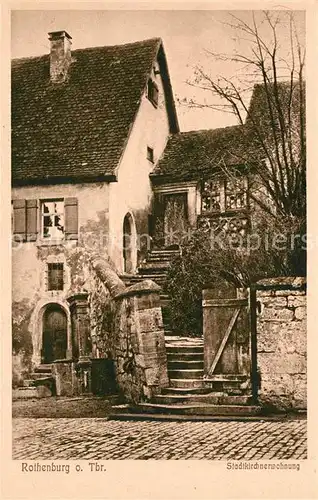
x: 186, y: 35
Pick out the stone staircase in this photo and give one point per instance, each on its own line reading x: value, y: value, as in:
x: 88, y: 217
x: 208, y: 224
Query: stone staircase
x: 41, y: 384
x: 190, y: 394
x: 155, y: 267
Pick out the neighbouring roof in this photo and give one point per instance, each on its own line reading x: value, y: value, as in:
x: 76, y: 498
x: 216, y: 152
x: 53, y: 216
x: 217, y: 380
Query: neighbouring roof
x: 78, y: 129
x: 200, y: 154
x: 289, y: 97
x: 196, y: 154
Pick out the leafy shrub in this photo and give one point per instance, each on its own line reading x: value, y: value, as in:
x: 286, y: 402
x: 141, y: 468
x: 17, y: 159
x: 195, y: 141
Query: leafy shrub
x: 275, y: 247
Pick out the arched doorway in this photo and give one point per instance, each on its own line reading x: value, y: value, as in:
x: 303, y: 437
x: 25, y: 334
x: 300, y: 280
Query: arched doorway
x: 129, y: 244
x: 54, y: 343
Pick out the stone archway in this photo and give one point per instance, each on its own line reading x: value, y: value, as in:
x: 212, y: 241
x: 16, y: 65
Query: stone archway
x: 129, y: 244
x: 54, y: 334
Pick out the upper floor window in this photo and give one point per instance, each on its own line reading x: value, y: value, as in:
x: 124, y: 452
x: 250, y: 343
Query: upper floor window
x: 235, y: 193
x: 223, y: 195
x: 152, y: 92
x: 52, y: 218
x: 211, y: 196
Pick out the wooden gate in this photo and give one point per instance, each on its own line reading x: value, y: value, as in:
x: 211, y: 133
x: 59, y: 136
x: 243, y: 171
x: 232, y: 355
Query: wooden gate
x: 226, y: 332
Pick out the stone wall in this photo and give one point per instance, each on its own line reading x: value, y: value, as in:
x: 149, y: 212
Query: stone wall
x: 281, y: 342
x: 136, y: 339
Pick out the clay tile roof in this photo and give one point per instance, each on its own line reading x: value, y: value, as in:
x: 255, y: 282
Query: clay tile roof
x: 77, y: 129
x: 193, y: 155
x: 198, y: 154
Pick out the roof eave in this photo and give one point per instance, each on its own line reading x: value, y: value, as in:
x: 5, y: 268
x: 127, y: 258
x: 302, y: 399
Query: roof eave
x: 79, y: 179
x: 171, y: 108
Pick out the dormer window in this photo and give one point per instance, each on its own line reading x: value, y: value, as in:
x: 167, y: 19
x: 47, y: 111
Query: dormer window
x: 150, y: 155
x: 152, y: 92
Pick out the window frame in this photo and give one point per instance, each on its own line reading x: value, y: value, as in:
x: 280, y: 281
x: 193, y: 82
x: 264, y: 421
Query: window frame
x: 150, y: 154
x: 153, y: 92
x: 59, y: 267
x: 43, y: 214
x: 224, y: 196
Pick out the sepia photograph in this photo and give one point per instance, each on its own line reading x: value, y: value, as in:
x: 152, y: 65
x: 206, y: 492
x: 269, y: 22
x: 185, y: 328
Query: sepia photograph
x: 159, y: 237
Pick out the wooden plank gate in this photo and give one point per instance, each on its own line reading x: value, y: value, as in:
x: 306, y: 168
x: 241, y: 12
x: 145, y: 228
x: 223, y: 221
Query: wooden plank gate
x: 226, y: 333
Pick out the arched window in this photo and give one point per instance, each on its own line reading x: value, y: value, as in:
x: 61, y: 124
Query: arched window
x: 129, y: 244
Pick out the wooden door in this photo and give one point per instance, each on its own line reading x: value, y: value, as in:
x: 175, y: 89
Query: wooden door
x: 175, y: 218
x: 226, y: 331
x: 54, y: 334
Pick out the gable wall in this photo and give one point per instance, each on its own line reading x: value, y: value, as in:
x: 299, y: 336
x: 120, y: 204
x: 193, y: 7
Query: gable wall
x: 132, y: 193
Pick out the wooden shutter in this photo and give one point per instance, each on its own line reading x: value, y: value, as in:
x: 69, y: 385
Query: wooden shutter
x: 71, y: 218
x: 19, y: 220
x: 31, y: 219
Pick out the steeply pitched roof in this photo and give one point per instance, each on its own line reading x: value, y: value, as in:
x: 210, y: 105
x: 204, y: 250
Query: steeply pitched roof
x: 198, y: 154
x: 284, y: 97
x: 194, y: 155
x: 78, y: 129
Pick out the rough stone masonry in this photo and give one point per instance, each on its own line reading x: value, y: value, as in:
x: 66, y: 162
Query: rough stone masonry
x: 282, y: 342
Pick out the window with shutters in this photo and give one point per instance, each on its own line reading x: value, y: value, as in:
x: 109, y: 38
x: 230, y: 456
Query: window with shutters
x: 56, y: 220
x: 25, y: 220
x: 55, y: 276
x: 52, y: 219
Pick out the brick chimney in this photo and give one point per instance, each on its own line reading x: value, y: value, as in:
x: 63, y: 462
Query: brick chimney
x: 60, y: 55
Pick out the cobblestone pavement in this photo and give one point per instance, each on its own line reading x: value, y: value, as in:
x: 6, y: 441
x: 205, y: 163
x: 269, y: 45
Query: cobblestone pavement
x: 98, y: 438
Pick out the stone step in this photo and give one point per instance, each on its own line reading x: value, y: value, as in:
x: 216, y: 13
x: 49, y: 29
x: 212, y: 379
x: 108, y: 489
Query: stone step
x: 152, y: 270
x: 187, y: 349
x: 185, y: 356
x: 197, y: 409
x: 186, y: 390
x: 215, y: 398
x: 226, y: 377
x: 232, y: 384
x: 169, y: 333
x: 28, y: 382
x: 25, y: 393
x: 185, y: 364
x: 41, y: 375
x: 164, y: 301
x: 127, y: 416
x: 170, y: 253
x: 188, y: 383
x: 165, y: 296
x: 187, y: 341
x: 157, y: 258
x: 43, y: 368
x: 185, y: 374
x: 130, y: 277
x: 159, y: 278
